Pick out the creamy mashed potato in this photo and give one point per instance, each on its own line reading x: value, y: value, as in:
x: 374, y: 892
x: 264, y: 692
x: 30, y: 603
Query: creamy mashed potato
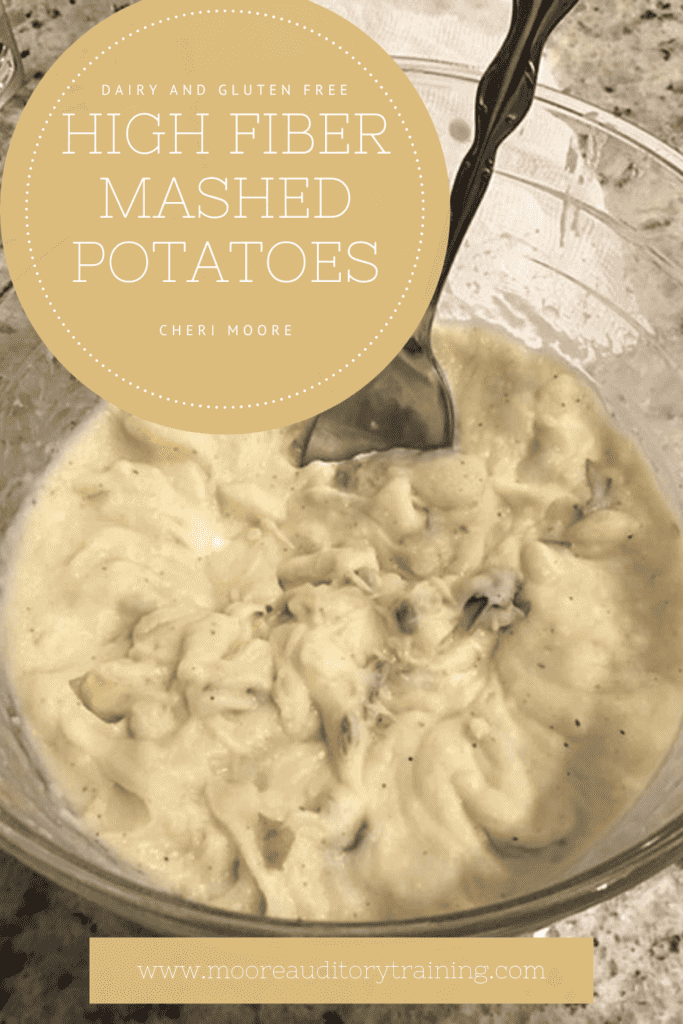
x: 400, y: 685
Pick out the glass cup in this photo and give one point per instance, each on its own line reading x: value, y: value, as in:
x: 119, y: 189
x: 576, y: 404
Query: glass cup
x: 11, y: 72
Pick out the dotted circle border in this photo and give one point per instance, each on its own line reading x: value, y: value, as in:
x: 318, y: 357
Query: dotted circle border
x: 103, y: 366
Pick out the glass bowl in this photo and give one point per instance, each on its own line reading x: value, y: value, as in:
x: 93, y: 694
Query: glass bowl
x: 577, y: 249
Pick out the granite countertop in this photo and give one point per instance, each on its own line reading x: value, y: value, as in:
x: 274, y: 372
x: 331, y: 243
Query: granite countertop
x: 627, y: 57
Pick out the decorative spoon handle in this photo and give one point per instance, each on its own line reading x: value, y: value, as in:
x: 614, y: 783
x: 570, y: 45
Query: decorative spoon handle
x: 504, y: 97
x: 408, y: 405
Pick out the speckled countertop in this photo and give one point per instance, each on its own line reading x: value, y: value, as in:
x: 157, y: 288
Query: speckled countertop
x: 627, y: 57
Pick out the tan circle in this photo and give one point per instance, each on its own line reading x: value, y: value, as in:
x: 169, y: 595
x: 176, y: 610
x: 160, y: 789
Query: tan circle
x: 225, y: 219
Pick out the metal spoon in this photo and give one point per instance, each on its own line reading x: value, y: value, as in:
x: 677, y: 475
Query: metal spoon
x: 409, y: 405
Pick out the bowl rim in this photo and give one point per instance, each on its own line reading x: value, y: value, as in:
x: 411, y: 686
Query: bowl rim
x: 138, y: 900
x: 557, y: 99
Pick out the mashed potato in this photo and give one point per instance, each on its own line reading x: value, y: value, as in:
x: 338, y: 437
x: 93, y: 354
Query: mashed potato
x: 406, y: 684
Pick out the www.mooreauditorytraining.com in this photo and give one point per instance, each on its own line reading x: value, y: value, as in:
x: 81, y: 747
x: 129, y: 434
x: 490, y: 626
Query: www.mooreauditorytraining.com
x: 339, y: 971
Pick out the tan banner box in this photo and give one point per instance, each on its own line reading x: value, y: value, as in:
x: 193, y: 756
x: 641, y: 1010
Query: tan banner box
x: 341, y: 970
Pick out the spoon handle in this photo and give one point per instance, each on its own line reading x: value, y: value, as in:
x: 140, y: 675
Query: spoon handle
x: 504, y: 97
x: 408, y: 405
